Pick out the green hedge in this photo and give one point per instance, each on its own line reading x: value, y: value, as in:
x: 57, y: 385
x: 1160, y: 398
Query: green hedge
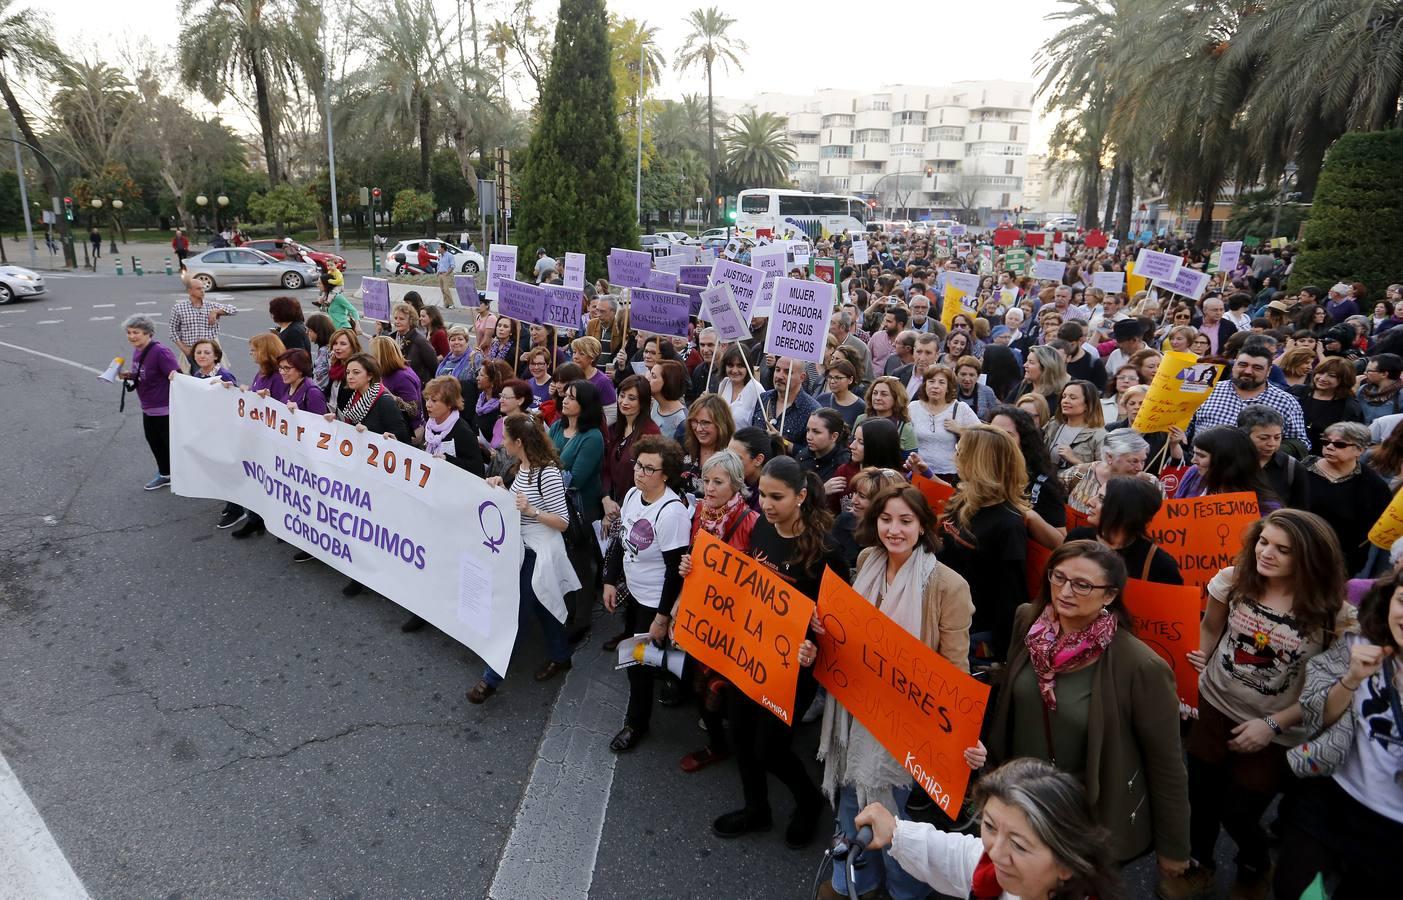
x: 1355, y: 230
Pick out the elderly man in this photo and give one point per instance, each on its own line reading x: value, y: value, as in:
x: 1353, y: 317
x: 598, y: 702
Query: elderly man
x: 194, y: 319
x: 1062, y: 299
x: 1214, y: 326
x: 841, y: 327
x: 926, y: 353
x: 920, y: 313
x: 1340, y: 305
x: 707, y: 374
x: 602, y: 316
x: 444, y: 268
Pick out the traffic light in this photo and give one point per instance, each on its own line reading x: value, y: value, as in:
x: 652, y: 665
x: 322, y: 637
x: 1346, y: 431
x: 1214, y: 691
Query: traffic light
x: 731, y: 214
x: 375, y: 193
x: 68, y: 208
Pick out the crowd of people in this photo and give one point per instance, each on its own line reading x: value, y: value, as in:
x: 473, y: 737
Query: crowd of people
x: 1025, y: 406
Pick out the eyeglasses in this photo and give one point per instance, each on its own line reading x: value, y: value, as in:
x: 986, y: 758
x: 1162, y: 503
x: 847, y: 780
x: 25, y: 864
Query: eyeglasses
x: 1080, y: 586
x: 1339, y: 445
x: 287, y: 369
x: 650, y: 471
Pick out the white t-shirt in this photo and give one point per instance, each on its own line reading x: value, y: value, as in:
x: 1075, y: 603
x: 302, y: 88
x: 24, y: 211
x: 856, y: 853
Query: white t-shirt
x: 743, y: 407
x: 934, y: 442
x: 1369, y: 770
x: 1382, y: 427
x: 649, y: 531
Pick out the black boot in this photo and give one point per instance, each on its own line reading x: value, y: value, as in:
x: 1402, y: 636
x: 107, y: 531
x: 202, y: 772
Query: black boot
x: 252, y: 525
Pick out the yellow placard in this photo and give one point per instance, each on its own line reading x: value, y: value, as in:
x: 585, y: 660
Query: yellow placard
x: 1389, y: 527
x: 1179, y: 389
x: 954, y: 305
x: 1134, y: 283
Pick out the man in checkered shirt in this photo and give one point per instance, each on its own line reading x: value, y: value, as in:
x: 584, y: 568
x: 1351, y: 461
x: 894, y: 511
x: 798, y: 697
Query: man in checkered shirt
x: 1248, y: 384
x: 192, y: 319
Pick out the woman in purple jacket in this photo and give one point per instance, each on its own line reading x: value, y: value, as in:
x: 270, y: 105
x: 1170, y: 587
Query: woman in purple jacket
x: 151, y: 366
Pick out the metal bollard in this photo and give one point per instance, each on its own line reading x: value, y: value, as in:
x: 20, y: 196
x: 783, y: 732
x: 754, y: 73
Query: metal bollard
x: 168, y: 266
x: 136, y: 266
x: 117, y: 260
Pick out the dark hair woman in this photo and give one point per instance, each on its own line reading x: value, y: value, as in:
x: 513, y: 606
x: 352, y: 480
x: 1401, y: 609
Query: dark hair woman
x: 286, y: 314
x: 899, y: 573
x: 1045, y: 493
x: 755, y: 446
x: 875, y: 444
x: 301, y: 392
x: 825, y: 452
x: 1120, y: 515
x: 1328, y: 398
x: 546, y: 573
x: 320, y: 328
x: 1037, y: 838
x: 578, y: 436
x: 633, y: 422
x: 1083, y: 693
x: 791, y: 538
x: 1268, y: 615
x: 1225, y: 462
x: 1348, y: 816
x: 656, y: 530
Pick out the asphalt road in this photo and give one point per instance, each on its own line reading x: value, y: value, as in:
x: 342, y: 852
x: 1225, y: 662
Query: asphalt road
x: 195, y: 716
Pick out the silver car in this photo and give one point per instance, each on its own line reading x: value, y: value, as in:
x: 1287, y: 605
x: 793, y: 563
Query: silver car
x: 243, y: 267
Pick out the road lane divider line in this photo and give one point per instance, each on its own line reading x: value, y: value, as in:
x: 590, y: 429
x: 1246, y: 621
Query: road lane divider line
x: 51, y: 357
x: 31, y: 864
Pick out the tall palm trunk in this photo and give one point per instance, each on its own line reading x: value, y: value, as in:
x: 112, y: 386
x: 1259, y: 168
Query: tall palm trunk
x: 267, y: 123
x: 1203, y: 231
x: 711, y: 130
x: 425, y: 148
x: 1126, y: 200
x: 1091, y: 194
x: 1112, y: 192
x: 49, y: 177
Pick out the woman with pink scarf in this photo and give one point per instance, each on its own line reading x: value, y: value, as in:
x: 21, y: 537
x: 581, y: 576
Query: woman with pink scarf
x: 1085, y: 694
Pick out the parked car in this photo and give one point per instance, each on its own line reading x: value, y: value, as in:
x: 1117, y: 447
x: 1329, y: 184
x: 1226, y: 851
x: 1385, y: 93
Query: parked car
x: 677, y: 237
x: 655, y: 244
x: 715, y: 242
x: 17, y: 283
x: 406, y: 253
x: 281, y: 248
x: 722, y: 233
x: 943, y: 226
x: 242, y: 267
x: 1064, y: 223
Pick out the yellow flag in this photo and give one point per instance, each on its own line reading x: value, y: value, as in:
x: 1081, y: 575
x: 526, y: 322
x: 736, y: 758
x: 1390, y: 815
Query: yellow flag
x: 1180, y: 387
x: 953, y: 305
x: 1389, y: 527
x: 1134, y: 283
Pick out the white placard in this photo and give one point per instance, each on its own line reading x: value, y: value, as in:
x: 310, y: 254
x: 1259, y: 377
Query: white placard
x: 744, y: 282
x: 1229, y: 256
x: 798, y: 326
x: 772, y: 261
x: 719, y: 308
x: 1049, y: 270
x: 859, y: 253
x: 1189, y: 283
x: 1112, y: 245
x: 967, y: 282
x: 1110, y: 282
x: 575, y: 271
x: 501, y: 264
x: 1059, y: 250
x: 404, y: 531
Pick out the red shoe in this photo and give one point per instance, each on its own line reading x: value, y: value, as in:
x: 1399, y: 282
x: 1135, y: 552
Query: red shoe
x: 700, y: 759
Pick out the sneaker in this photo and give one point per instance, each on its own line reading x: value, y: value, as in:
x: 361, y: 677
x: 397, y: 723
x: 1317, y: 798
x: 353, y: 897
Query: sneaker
x: 1198, y: 881
x: 157, y: 483
x: 1251, y: 884
x: 230, y: 519
x: 741, y: 821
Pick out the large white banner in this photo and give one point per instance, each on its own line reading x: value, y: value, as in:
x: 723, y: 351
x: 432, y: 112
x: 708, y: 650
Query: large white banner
x: 433, y: 538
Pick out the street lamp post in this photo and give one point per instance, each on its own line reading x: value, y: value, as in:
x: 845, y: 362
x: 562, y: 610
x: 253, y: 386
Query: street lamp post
x: 116, y: 210
x: 700, y: 201
x: 97, y: 205
x: 221, y: 202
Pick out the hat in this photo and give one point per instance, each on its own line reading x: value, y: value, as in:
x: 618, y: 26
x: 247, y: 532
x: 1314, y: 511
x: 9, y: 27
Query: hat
x: 998, y: 331
x: 1128, y: 330
x: 1278, y: 306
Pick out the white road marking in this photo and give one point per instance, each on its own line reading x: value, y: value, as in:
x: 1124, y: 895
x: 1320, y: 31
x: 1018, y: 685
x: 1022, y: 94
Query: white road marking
x: 146, y: 302
x: 31, y: 863
x: 9, y: 311
x: 49, y: 322
x: 101, y: 318
x: 554, y: 841
x: 85, y: 368
x: 103, y: 305
x: 59, y: 308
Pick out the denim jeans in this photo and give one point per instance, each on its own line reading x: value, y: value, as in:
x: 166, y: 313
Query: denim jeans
x: 557, y: 644
x: 878, y: 868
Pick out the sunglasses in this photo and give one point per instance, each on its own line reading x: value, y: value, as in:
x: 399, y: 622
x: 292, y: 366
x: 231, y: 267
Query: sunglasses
x: 1339, y: 445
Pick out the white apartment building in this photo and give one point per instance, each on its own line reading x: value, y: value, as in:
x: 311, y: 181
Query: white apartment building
x: 1042, y: 194
x: 957, y: 151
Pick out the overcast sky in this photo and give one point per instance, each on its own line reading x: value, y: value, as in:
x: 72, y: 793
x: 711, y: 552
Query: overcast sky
x: 791, y: 48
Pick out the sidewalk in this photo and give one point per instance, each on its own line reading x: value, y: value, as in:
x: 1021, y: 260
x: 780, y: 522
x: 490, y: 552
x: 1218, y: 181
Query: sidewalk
x: 152, y: 256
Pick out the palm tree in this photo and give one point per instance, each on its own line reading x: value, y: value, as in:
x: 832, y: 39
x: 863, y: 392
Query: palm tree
x: 707, y: 44
x: 500, y: 38
x: 93, y: 114
x: 25, y: 47
x: 234, y: 44
x: 758, y: 150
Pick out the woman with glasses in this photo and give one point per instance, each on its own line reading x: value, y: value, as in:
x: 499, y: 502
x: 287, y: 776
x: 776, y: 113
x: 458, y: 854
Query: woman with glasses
x: 540, y: 377
x: 1272, y: 611
x: 840, y: 397
x: 708, y: 430
x: 300, y: 391
x: 1083, y: 693
x: 1344, y: 492
x: 655, y: 533
x: 514, y: 397
x: 963, y: 324
x: 546, y: 573
x: 1347, y: 813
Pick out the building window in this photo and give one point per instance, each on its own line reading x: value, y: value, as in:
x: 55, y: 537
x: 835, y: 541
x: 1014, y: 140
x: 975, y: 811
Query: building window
x: 881, y: 106
x: 945, y: 133
x: 911, y: 118
x: 838, y: 120
x: 1008, y: 167
x: 907, y: 150
x: 836, y: 151
x: 1003, y: 201
x: 1013, y: 132
x: 872, y: 135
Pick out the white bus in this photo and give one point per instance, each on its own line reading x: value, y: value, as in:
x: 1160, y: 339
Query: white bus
x: 818, y: 215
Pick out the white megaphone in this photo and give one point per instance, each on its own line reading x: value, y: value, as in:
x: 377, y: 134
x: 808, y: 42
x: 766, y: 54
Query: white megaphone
x: 110, y: 376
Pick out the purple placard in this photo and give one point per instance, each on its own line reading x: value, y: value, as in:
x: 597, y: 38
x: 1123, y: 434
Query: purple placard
x: 744, y: 282
x: 662, y: 281
x: 562, y: 307
x: 375, y: 298
x: 629, y: 268
x: 693, y: 292
x: 1157, y: 266
x: 520, y: 301
x: 658, y: 312
x: 698, y: 275
x: 466, y: 286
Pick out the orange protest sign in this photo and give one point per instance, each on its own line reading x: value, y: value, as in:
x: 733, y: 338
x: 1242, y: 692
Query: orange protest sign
x: 741, y: 619
x: 1166, y: 619
x: 1076, y: 519
x: 920, y: 707
x: 1038, y: 555
x: 1389, y: 527
x: 1204, y: 534
x: 936, y: 494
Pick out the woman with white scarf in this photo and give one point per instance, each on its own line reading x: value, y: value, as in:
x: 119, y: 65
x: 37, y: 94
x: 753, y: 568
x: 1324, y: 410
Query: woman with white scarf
x: 899, y: 574
x: 546, y: 573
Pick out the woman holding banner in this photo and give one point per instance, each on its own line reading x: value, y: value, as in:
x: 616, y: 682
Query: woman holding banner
x: 151, y: 368
x: 1085, y: 694
x: 1225, y: 462
x: 265, y: 349
x: 546, y: 573
x: 1268, y: 615
x: 900, y: 575
x: 344, y: 344
x: 300, y: 391
x: 400, y: 380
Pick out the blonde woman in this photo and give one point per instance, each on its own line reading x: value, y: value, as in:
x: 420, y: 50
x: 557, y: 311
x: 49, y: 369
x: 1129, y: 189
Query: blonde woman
x: 886, y: 399
x: 585, y: 350
x: 1078, y: 427
x: 399, y: 379
x: 1045, y: 373
x: 984, y: 535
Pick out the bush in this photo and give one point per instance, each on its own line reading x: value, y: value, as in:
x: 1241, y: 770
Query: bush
x: 1356, y: 224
